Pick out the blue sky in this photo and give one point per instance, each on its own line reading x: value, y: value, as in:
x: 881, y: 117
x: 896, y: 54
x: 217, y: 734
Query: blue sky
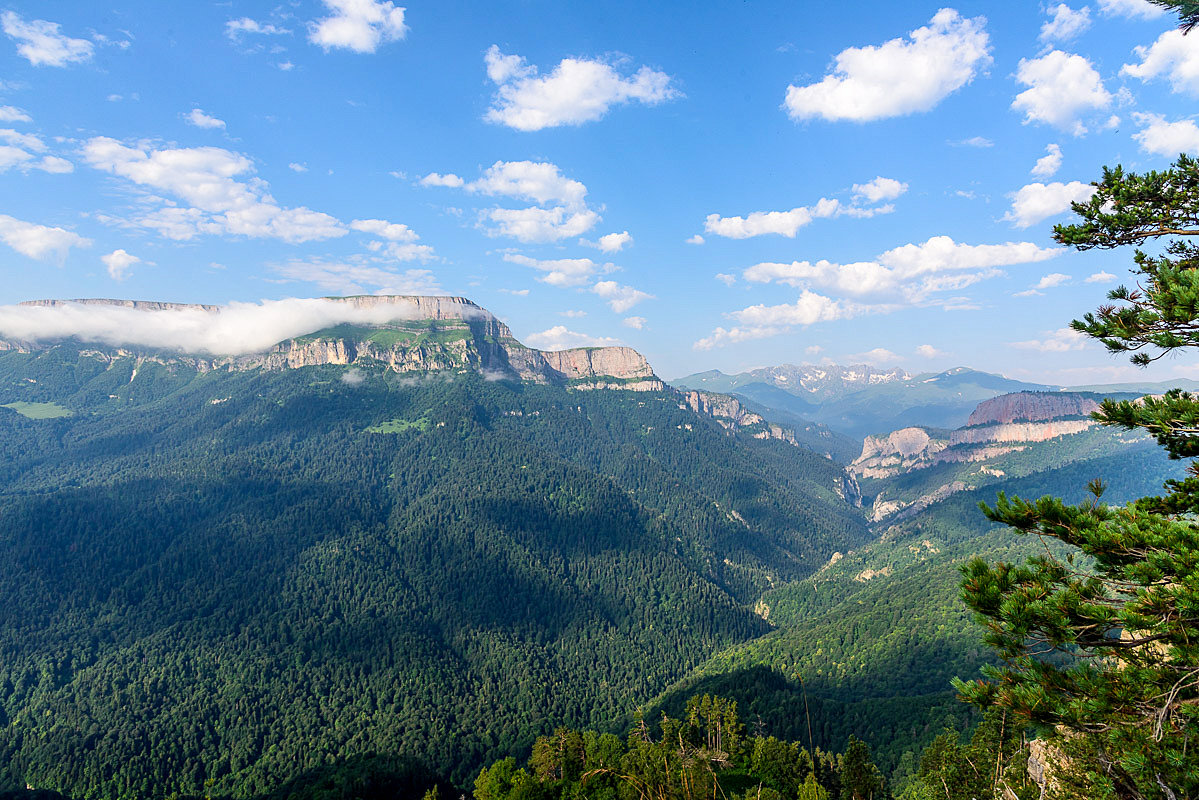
x: 720, y: 185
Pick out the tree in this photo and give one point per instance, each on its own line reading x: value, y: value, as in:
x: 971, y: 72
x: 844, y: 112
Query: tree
x: 1187, y: 10
x: 1099, y: 635
x: 860, y: 779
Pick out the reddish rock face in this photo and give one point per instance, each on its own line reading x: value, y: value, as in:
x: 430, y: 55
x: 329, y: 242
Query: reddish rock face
x: 1031, y: 407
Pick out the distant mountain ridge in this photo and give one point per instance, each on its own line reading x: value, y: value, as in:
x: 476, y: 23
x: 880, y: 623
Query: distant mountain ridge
x: 430, y: 333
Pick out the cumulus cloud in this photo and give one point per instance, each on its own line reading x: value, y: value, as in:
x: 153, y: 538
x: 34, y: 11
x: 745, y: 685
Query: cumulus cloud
x: 41, y: 43
x: 39, y: 241
x: 296, y: 166
x: 357, y: 278
x: 762, y: 321
x: 696, y: 239
x: 620, y: 298
x: 928, y: 351
x: 636, y: 323
x: 1100, y: 277
x: 1062, y: 340
x: 202, y: 120
x: 206, y: 179
x: 726, y: 278
x: 1038, y: 201
x: 1131, y: 8
x: 1047, y: 282
x: 878, y: 357
x: 974, y: 141
x: 1048, y: 164
x: 358, y: 25
x: 236, y: 28
x: 19, y: 151
x: 879, y: 189
x: 537, y: 224
x: 13, y: 114
x: 1166, y: 138
x: 118, y: 263
x: 435, y: 179
x: 912, y: 272
x: 562, y: 272
x: 392, y: 231
x: 234, y: 329
x: 902, y: 76
x: 561, y: 211
x: 1062, y: 88
x: 560, y: 337
x: 577, y: 91
x: 1065, y: 23
x: 609, y: 243
x: 1174, y: 56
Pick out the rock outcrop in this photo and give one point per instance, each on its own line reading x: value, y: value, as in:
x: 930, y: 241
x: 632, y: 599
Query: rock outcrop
x: 900, y: 451
x: 731, y: 415
x: 425, y: 334
x: 1032, y: 407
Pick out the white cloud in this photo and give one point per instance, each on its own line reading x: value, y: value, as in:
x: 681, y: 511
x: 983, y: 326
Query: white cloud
x: 18, y: 152
x: 561, y: 338
x: 974, y: 141
x: 539, y: 181
x: 235, y: 28
x: 636, y: 323
x: 1131, y: 8
x: 38, y: 241
x: 297, y: 167
x: 235, y: 329
x: 577, y: 91
x: 899, y: 77
x: 202, y: 120
x: 912, y: 272
x: 1065, y: 23
x: 41, y: 43
x: 1166, y: 138
x: 1062, y: 88
x: 878, y: 357
x: 392, y: 231
x: 358, y: 25
x: 725, y: 278
x: 1038, y: 201
x: 1100, y: 277
x: 879, y: 189
x: 562, y: 272
x: 1051, y: 280
x: 620, y: 298
x: 762, y: 321
x: 356, y: 278
x: 118, y: 263
x: 434, y: 179
x: 538, y: 224
x: 609, y: 243
x: 696, y: 239
x: 574, y: 314
x: 206, y: 178
x: 813, y: 349
x: 1062, y: 340
x: 1174, y: 56
x: 13, y: 114
x: 928, y: 351
x: 1048, y: 165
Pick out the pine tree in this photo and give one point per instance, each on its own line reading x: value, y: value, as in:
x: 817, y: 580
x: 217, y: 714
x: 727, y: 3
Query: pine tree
x: 1100, y: 634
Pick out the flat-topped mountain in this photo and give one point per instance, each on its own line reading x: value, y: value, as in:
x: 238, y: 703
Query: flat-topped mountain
x: 1033, y: 407
x: 401, y: 332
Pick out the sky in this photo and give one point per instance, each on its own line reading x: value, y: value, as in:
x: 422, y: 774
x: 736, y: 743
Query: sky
x: 718, y: 185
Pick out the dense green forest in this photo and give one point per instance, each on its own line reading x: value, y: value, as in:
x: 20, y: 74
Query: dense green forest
x: 229, y: 579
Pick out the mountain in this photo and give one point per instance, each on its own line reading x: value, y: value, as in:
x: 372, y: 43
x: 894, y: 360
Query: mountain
x: 868, y: 644
x: 859, y: 400
x: 420, y: 539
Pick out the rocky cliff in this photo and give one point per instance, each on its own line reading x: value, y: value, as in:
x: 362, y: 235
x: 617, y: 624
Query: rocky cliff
x: 408, y: 334
x: 730, y: 414
x: 1032, y: 407
x: 900, y: 451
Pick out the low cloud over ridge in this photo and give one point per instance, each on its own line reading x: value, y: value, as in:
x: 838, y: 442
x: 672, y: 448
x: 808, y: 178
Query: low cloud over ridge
x: 234, y: 329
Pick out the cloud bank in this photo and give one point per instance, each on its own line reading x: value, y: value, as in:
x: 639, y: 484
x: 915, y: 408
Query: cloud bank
x: 234, y: 329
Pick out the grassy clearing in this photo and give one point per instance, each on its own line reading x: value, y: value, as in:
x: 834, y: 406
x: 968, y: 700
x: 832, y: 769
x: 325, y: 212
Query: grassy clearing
x: 39, y: 410
x: 399, y: 426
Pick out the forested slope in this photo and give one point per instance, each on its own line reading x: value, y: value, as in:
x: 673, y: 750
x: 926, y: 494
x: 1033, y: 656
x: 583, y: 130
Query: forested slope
x: 239, y: 577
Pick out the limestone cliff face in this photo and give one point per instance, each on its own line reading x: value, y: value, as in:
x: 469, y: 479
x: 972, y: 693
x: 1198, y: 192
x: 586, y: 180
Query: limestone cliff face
x: 900, y: 451
x: 1019, y: 432
x: 731, y: 415
x: 1032, y: 407
x: 430, y: 334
